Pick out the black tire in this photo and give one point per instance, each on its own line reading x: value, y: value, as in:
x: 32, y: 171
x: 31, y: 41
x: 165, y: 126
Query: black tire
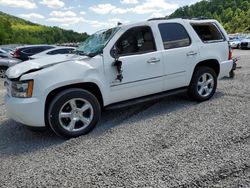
x: 193, y: 89
x: 60, y: 102
x: 2, y: 71
x: 231, y: 74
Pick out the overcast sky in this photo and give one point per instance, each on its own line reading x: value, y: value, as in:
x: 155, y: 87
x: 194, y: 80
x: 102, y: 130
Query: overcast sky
x: 89, y: 15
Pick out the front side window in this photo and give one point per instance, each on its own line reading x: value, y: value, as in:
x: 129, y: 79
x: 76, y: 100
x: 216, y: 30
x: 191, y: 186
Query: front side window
x: 174, y: 35
x: 137, y: 40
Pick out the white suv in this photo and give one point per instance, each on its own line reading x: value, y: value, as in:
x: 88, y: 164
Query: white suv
x: 116, y: 67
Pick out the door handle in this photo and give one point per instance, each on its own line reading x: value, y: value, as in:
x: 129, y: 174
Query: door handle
x: 192, y: 53
x: 153, y: 60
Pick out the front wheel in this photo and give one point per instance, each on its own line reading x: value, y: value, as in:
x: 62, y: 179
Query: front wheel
x: 203, y: 84
x: 73, y: 113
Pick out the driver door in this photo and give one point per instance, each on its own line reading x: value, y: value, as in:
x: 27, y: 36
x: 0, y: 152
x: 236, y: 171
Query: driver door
x: 142, y: 65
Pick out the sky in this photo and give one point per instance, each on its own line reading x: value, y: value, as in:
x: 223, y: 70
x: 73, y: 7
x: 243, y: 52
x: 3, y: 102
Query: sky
x: 89, y: 15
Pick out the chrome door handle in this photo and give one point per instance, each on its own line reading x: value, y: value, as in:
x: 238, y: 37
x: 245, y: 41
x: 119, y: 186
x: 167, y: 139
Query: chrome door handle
x: 153, y: 60
x: 192, y: 53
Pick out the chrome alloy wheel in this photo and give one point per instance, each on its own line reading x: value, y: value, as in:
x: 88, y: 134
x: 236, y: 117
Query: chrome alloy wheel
x: 76, y: 114
x: 205, y: 85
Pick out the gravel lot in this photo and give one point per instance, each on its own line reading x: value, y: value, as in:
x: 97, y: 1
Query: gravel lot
x: 170, y: 143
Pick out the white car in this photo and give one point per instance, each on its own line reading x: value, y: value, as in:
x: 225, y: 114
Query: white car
x: 235, y: 43
x: 53, y: 51
x: 120, y: 66
x: 245, y: 43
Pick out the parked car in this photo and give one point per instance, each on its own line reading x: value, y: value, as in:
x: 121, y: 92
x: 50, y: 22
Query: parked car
x: 245, y: 43
x: 118, y: 67
x: 5, y: 63
x: 235, y: 42
x: 8, y: 50
x: 53, y: 51
x: 24, y: 52
x: 4, y: 54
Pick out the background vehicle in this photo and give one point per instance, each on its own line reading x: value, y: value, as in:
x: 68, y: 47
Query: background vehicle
x: 4, y: 54
x: 118, y: 67
x: 235, y: 42
x: 53, y: 51
x: 245, y: 43
x: 5, y: 63
x: 8, y: 50
x: 24, y: 52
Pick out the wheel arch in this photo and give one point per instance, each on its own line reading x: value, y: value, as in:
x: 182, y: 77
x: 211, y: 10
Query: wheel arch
x: 211, y: 63
x: 88, y: 86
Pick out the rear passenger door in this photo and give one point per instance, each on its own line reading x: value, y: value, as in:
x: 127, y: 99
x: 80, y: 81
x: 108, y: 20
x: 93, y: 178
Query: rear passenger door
x: 179, y: 55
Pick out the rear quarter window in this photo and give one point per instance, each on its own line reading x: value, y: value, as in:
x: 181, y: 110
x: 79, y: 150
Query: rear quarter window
x: 208, y: 32
x: 174, y: 35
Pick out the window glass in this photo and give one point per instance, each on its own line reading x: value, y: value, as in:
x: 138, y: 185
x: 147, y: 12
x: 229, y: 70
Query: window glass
x: 60, y: 51
x: 208, y: 32
x: 137, y: 40
x: 174, y: 35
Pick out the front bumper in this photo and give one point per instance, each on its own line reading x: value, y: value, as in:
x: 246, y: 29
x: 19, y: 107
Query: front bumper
x: 28, y: 111
x: 225, y: 68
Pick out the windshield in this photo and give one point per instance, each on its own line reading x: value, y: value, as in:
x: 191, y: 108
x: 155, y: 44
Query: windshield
x: 95, y: 43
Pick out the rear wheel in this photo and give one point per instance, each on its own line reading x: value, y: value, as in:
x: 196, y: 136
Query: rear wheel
x: 203, y: 84
x: 73, y: 113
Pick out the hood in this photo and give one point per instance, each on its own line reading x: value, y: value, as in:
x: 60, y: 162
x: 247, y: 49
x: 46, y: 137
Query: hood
x: 246, y: 40
x: 38, y: 64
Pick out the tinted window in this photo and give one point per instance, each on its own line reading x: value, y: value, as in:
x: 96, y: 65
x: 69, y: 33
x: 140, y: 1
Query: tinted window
x: 33, y: 50
x: 60, y: 51
x: 174, y: 35
x: 137, y: 40
x: 208, y: 32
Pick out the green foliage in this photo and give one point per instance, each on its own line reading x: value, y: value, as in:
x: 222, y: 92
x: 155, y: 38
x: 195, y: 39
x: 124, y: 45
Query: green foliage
x: 18, y: 31
x: 233, y: 14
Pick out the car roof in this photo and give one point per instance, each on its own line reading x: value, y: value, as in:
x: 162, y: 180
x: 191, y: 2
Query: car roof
x: 164, y: 20
x: 34, y: 46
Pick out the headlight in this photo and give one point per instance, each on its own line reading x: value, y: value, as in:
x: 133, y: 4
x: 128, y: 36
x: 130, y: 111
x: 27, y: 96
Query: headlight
x: 22, y: 89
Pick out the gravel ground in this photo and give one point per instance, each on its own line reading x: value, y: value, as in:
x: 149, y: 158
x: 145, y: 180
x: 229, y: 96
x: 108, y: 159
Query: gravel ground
x: 170, y: 143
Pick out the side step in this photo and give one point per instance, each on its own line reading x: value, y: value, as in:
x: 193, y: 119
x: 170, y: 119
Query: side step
x: 148, y: 98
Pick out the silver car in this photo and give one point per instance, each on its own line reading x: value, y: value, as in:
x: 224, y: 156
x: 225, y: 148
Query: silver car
x: 5, y: 63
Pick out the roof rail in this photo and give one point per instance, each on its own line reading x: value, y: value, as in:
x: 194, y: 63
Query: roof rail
x: 160, y: 18
x: 200, y: 18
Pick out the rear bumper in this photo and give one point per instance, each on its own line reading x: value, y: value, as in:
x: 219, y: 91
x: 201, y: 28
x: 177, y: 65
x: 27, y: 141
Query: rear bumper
x: 225, y: 68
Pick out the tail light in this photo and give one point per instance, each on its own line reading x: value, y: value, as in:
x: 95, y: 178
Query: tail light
x: 230, y: 54
x: 16, y: 53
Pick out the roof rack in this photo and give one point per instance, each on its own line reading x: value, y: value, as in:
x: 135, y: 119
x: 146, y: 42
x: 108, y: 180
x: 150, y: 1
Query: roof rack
x: 160, y: 18
x: 200, y: 18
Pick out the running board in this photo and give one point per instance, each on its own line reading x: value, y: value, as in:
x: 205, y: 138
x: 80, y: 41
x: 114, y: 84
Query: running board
x: 148, y: 98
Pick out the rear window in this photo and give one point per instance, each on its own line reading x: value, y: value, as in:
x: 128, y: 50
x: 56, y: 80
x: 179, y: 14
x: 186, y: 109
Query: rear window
x: 174, y: 35
x: 208, y: 32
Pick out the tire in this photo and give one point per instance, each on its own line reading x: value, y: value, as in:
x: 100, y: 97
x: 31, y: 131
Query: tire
x: 74, y: 112
x: 203, y: 84
x: 2, y: 72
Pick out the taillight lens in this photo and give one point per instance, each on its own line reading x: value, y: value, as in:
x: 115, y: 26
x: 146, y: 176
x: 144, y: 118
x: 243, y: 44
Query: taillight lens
x: 230, y: 54
x: 16, y: 53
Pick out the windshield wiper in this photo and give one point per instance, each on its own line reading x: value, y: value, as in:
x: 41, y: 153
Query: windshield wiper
x: 78, y: 52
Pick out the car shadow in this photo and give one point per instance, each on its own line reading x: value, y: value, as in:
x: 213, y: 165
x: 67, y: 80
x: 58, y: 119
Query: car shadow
x: 17, y: 139
x: 145, y: 111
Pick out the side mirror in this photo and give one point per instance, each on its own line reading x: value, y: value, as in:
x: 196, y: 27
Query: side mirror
x: 117, y: 63
x: 115, y: 53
